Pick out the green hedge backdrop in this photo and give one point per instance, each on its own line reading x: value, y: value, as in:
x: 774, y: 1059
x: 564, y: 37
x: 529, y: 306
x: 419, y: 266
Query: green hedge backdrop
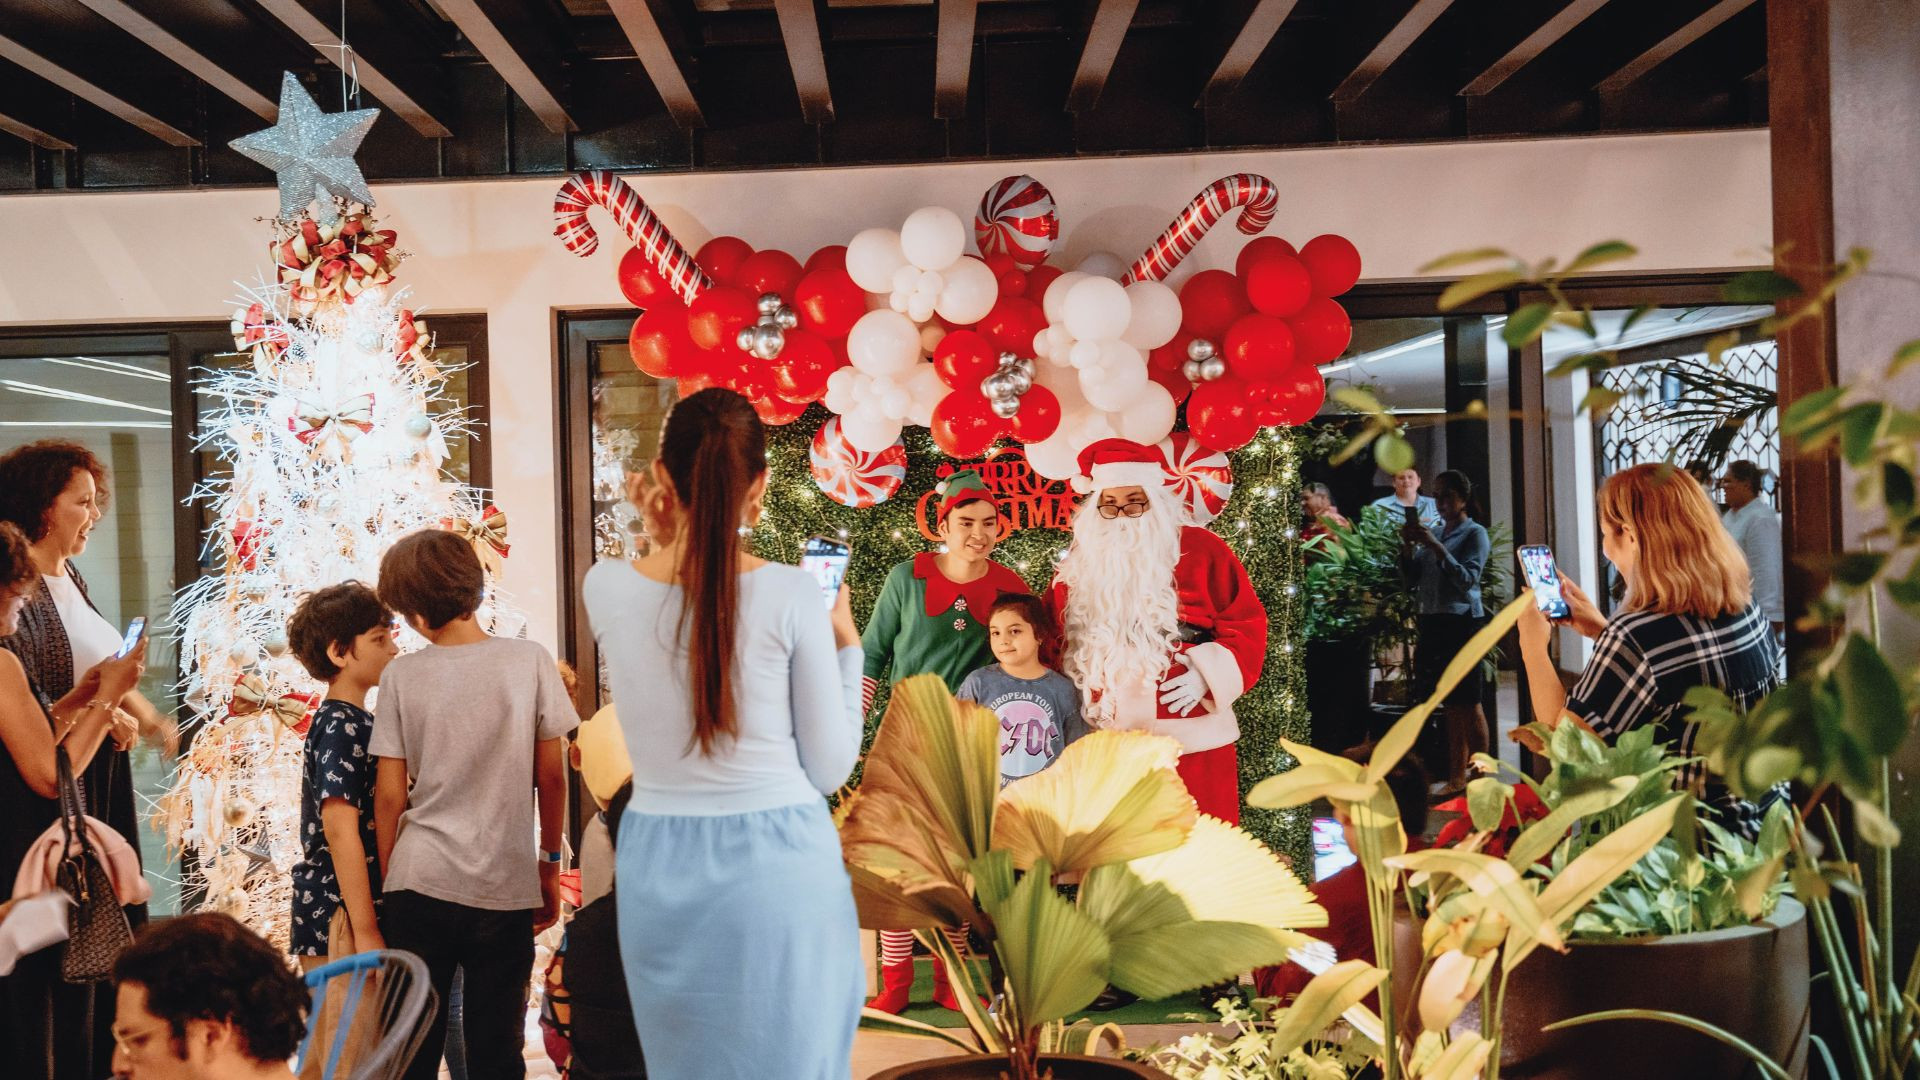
x: 1260, y: 522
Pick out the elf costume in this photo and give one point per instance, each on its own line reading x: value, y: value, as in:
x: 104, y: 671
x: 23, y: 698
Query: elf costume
x: 924, y: 622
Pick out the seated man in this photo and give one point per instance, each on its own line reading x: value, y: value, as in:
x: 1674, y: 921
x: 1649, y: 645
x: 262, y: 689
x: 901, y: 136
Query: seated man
x: 201, y: 997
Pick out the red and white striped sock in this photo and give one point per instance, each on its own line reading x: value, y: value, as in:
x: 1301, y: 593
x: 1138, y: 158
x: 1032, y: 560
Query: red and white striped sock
x: 957, y: 937
x: 896, y: 947
x: 869, y: 687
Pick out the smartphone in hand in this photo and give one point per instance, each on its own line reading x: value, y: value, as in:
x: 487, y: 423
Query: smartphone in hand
x: 136, y: 630
x: 826, y: 560
x: 1543, y: 577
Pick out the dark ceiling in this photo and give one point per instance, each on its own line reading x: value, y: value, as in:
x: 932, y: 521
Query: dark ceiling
x: 115, y: 94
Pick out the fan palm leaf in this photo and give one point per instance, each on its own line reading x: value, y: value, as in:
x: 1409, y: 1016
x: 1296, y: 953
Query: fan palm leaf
x: 1111, y: 797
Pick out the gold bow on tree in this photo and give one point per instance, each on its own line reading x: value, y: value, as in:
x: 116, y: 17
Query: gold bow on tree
x: 487, y: 535
x: 317, y: 423
x: 251, y: 695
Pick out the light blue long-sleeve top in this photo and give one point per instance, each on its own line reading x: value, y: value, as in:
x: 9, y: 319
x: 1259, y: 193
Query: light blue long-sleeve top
x: 1448, y: 582
x: 796, y: 701
x: 1755, y: 527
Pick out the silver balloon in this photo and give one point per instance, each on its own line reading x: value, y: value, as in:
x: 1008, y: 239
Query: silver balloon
x: 1006, y: 406
x: 998, y: 385
x: 786, y: 318
x: 1008, y: 359
x: 1019, y: 381
x: 768, y: 304
x: 1025, y: 366
x: 1200, y: 349
x: 1212, y: 368
x: 1191, y: 370
x: 745, y: 338
x: 768, y: 340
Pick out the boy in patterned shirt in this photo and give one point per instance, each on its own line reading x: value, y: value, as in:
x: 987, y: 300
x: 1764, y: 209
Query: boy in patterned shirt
x: 341, y: 634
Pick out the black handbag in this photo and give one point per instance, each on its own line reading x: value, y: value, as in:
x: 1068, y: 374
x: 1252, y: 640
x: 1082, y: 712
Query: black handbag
x: 97, y: 927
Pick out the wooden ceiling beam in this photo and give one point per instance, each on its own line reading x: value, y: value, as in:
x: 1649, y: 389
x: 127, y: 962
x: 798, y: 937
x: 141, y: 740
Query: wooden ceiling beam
x: 22, y: 129
x: 195, y: 62
x: 314, y: 31
x: 532, y: 71
x: 800, y: 30
x: 86, y: 90
x: 1530, y: 49
x: 953, y: 57
x: 1671, y: 44
x: 1263, y: 22
x: 1104, y: 35
x: 646, y: 34
x: 1391, y: 47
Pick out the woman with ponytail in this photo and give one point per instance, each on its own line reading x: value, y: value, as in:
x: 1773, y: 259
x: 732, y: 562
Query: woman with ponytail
x: 739, y: 696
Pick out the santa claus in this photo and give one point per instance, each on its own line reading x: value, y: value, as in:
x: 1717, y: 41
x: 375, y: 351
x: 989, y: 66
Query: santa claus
x: 1162, y: 628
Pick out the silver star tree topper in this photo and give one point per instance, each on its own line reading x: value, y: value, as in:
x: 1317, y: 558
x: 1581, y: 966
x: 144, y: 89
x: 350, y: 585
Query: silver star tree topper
x: 311, y: 153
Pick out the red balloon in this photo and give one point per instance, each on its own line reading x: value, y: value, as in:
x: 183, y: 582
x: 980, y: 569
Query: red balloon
x: 1279, y: 286
x: 1038, y: 278
x: 963, y: 358
x: 964, y: 425
x: 999, y: 262
x: 1039, y: 415
x: 1334, y: 263
x: 1259, y: 348
x: 1221, y: 416
x: 831, y: 257
x: 768, y: 271
x: 1175, y: 382
x: 828, y: 302
x: 693, y: 382
x: 1170, y: 357
x: 1013, y: 283
x: 721, y: 257
x: 1321, y: 331
x: 776, y: 411
x: 1211, y: 300
x: 803, y: 367
x: 659, y: 341
x: 639, y: 284
x: 717, y: 315
x: 1013, y: 322
x: 1260, y: 249
x: 1298, y: 395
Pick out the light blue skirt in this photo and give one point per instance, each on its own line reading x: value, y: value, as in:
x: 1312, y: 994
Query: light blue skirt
x: 740, y: 943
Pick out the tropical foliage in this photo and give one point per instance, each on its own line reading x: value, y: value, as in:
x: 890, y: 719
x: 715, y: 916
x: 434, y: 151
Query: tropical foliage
x: 1245, y: 1049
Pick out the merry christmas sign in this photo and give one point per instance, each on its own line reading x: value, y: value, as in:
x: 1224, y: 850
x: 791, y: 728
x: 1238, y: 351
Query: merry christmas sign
x: 1027, y: 499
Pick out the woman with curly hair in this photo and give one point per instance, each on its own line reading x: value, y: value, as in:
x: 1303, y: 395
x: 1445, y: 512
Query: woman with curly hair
x: 48, y: 1027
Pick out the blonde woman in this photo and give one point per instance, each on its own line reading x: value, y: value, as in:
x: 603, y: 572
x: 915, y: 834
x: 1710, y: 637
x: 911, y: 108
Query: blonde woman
x: 1688, y: 620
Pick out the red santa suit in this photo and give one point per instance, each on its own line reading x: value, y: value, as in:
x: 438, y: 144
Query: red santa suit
x: 1225, y: 630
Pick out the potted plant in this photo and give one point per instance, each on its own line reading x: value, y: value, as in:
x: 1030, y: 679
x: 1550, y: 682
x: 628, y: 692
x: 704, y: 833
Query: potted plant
x: 1359, y: 614
x: 1096, y: 871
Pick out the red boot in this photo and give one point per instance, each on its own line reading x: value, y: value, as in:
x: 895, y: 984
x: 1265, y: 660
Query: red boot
x: 943, y: 994
x: 896, y: 986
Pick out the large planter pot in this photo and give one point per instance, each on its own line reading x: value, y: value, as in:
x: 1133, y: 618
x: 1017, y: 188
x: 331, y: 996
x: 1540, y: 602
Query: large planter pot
x: 1338, y: 673
x: 984, y: 1067
x: 1750, y: 980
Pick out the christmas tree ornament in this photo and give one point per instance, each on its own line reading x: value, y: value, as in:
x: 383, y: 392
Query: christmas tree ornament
x: 418, y: 426
x: 311, y: 154
x: 275, y: 643
x: 237, y: 812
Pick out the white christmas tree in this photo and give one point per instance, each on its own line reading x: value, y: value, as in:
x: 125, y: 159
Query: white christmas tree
x: 336, y: 438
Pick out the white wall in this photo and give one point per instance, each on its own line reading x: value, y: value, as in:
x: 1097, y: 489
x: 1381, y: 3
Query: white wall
x: 1688, y: 201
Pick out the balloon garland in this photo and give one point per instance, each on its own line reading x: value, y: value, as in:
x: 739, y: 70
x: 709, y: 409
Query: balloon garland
x: 903, y: 327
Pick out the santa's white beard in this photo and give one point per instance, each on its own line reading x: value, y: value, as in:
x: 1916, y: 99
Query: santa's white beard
x: 1123, y: 611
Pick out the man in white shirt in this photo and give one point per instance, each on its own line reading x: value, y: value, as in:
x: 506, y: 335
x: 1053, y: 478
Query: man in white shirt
x: 1756, y: 528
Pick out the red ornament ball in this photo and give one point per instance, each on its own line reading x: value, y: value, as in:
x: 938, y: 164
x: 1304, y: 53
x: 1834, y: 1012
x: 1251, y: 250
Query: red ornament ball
x: 1298, y: 395
x: 1038, y: 278
x: 1013, y: 323
x: 831, y: 257
x: 963, y: 358
x: 803, y: 366
x: 964, y: 425
x: 1039, y: 415
x: 1334, y: 263
x: 721, y: 257
x: 658, y: 341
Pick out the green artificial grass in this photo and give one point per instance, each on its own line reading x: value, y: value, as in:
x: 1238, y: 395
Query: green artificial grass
x: 1184, y: 1009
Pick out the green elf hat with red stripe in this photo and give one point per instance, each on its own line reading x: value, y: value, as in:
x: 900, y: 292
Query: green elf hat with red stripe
x: 962, y: 487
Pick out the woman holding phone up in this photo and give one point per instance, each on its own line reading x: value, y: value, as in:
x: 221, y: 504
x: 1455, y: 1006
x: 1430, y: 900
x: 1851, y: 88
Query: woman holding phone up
x: 931, y: 616
x: 1444, y: 569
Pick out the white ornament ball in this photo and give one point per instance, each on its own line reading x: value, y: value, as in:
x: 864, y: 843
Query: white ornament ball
x: 1084, y: 354
x: 933, y: 237
x: 1054, y: 457
x: 906, y: 279
x: 1156, y: 315
x: 873, y: 257
x: 1096, y: 309
x: 237, y: 812
x: 242, y: 651
x: 276, y: 643
x: 417, y: 426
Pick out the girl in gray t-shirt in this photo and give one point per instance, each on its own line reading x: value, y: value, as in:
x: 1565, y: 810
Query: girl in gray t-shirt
x: 1039, y: 708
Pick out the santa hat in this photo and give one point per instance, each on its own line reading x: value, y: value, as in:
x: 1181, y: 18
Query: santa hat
x: 964, y: 486
x: 1117, y: 463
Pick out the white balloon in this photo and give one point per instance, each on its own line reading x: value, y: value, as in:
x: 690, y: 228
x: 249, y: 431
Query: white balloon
x: 1054, y: 303
x: 869, y: 432
x: 930, y: 336
x: 896, y: 404
x: 884, y: 343
x: 1096, y: 309
x: 1149, y: 419
x: 920, y: 307
x: 898, y: 301
x: 842, y: 389
x: 1087, y: 428
x: 906, y: 279
x: 932, y: 237
x: 930, y: 282
x: 1054, y: 457
x: 926, y: 390
x: 971, y: 291
x: 1065, y: 384
x: 1084, y: 354
x: 872, y: 257
x: 1156, y: 315
x: 1117, y: 380
x: 1043, y: 345
x: 1103, y: 264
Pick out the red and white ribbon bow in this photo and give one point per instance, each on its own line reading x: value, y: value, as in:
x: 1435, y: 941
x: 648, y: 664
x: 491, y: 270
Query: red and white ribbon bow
x: 251, y: 696
x: 413, y: 340
x: 488, y: 536
x: 341, y: 259
x: 254, y: 332
x: 317, y: 423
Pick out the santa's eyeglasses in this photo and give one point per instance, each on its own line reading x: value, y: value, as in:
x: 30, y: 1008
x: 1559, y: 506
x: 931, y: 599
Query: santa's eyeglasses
x: 1132, y: 509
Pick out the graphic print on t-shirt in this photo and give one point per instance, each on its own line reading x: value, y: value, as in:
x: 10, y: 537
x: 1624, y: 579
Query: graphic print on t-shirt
x: 1029, y: 736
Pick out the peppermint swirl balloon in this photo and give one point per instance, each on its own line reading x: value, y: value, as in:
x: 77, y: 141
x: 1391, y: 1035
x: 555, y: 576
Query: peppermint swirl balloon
x: 1201, y: 479
x: 852, y: 477
x: 1017, y: 217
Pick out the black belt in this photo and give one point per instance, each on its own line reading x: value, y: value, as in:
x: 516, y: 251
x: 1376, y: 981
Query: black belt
x: 1195, y: 635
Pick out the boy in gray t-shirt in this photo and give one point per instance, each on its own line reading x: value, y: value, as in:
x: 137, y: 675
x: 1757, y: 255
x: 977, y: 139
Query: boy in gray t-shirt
x: 467, y: 733
x: 1039, y: 708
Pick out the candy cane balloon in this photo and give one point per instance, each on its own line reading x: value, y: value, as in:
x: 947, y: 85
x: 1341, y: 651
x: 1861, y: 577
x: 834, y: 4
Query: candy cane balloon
x: 598, y: 187
x: 1257, y: 197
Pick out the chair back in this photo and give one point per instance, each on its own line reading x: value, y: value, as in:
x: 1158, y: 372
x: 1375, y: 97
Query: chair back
x: 369, y: 1014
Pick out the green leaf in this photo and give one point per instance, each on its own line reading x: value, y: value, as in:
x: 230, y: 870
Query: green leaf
x: 1400, y: 738
x: 1360, y: 401
x: 1906, y: 591
x: 1462, y: 258
x: 1908, y: 353
x: 1639, y: 312
x: 1807, y: 408
x: 1331, y: 993
x: 1872, y: 705
x: 1760, y: 287
x: 875, y: 1020
x: 1393, y: 453
x: 1599, y: 401
x: 1494, y: 879
x: 1897, y: 490
x: 1473, y: 288
x: 1487, y: 801
x: 1055, y: 957
x: 1543, y: 835
x: 1526, y: 324
x: 1605, y: 252
x: 1767, y: 1064
x: 1588, y: 361
x: 1161, y: 961
x: 1586, y: 876
x: 1859, y: 428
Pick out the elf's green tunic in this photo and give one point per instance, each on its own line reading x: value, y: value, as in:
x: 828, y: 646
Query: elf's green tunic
x: 923, y: 622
